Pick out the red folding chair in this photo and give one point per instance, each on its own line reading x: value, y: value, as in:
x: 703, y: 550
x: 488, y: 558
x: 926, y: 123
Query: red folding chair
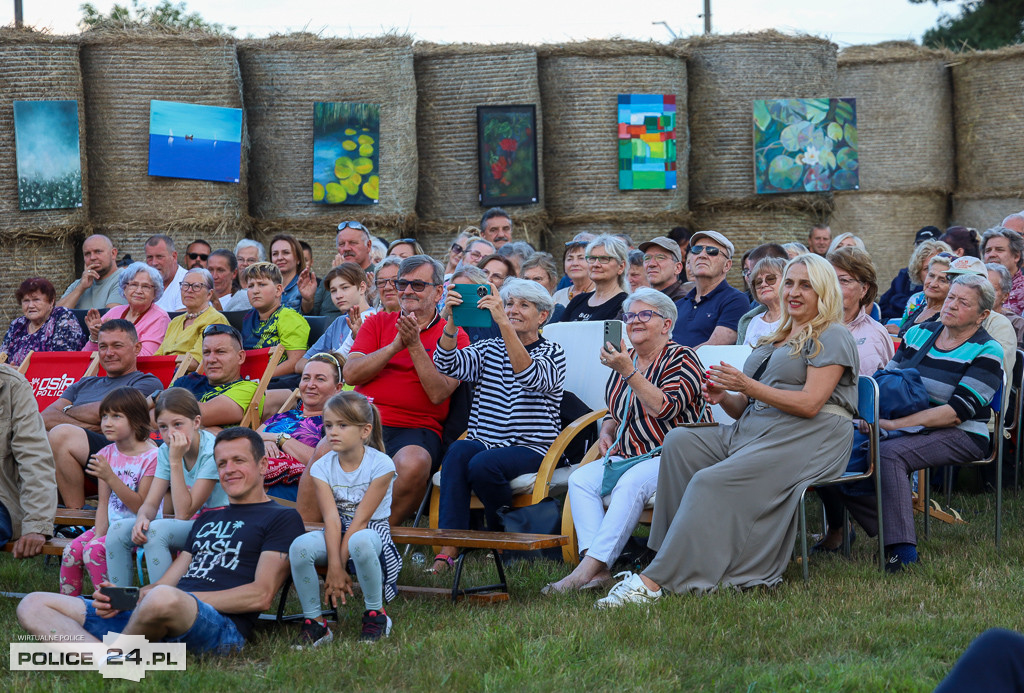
x: 259, y: 365
x: 163, y: 367
x: 51, y: 372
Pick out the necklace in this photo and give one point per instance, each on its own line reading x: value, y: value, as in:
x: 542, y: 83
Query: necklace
x: 193, y: 316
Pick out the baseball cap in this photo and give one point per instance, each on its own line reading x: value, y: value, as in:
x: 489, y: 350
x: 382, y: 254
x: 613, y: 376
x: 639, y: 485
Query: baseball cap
x: 928, y: 233
x: 716, y: 237
x: 665, y: 244
x: 967, y: 265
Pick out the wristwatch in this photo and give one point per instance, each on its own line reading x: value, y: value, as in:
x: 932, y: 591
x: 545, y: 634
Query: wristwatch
x: 281, y: 437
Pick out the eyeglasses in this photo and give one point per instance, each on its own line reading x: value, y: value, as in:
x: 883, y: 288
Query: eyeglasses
x: 417, y: 285
x: 198, y: 256
x: 135, y: 286
x: 656, y: 258
x: 457, y: 249
x: 351, y: 225
x: 381, y: 283
x: 189, y: 286
x: 599, y: 259
x: 643, y: 316
x: 219, y: 328
x: 495, y: 276
x: 711, y: 250
x: 769, y: 279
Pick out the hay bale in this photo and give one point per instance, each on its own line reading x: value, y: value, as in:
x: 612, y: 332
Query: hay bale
x: 638, y: 230
x: 131, y: 240
x: 122, y: 71
x: 579, y: 86
x: 37, y: 67
x: 283, y: 77
x: 32, y: 257
x: 983, y: 212
x: 887, y: 224
x: 727, y: 73
x: 988, y: 114
x: 451, y: 81
x: 904, y: 115
x: 531, y: 228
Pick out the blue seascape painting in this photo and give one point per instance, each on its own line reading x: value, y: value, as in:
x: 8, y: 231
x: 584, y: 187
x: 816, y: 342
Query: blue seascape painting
x: 192, y: 141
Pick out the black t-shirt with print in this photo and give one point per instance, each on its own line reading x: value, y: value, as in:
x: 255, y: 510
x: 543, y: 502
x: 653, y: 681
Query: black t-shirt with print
x: 579, y: 310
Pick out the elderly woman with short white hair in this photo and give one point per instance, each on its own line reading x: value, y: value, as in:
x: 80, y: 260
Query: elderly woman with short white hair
x: 514, y: 417
x: 141, y: 286
x: 653, y: 388
x: 846, y: 240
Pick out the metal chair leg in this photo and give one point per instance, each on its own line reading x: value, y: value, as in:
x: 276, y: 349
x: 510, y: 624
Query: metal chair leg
x: 927, y: 491
x: 419, y: 514
x: 803, y: 536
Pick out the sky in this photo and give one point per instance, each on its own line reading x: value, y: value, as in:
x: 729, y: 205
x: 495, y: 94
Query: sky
x: 202, y: 122
x: 535, y: 21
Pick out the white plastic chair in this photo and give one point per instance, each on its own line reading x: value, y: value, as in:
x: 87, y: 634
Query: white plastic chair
x: 713, y: 354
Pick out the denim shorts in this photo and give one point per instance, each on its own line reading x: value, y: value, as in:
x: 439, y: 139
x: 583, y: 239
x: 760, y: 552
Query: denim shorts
x: 210, y: 632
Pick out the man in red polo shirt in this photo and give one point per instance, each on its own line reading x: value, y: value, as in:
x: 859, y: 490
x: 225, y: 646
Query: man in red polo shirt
x: 392, y: 363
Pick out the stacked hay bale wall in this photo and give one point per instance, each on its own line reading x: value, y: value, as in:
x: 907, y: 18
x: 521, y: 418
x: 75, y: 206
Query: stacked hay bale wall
x: 579, y: 85
x: 283, y: 77
x: 905, y: 131
x: 41, y: 242
x: 451, y: 81
x: 122, y: 72
x: 987, y: 120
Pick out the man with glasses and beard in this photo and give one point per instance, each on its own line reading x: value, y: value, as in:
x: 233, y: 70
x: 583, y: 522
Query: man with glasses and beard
x: 711, y: 311
x: 391, y: 362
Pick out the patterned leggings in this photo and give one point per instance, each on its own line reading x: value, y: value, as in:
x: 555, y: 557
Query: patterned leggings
x: 86, y: 552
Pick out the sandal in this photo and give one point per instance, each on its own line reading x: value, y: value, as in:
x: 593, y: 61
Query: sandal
x: 434, y: 570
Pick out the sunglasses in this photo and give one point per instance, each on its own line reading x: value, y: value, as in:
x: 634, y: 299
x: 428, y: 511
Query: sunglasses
x: 220, y: 328
x: 351, y: 225
x: 768, y: 279
x: 643, y: 316
x: 711, y: 250
x: 418, y: 285
x: 198, y: 256
x: 457, y: 249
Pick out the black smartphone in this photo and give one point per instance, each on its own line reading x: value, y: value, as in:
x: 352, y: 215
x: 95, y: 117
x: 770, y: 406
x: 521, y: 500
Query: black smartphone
x: 121, y: 598
x: 613, y: 333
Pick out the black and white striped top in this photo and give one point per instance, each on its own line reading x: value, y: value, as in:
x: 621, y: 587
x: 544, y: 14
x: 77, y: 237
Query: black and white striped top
x: 510, y: 408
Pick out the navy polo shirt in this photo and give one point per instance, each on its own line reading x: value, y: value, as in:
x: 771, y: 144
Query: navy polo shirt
x: 722, y: 307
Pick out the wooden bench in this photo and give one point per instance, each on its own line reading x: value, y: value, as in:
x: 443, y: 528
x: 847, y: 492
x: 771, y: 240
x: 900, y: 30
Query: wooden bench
x: 67, y: 517
x: 53, y: 547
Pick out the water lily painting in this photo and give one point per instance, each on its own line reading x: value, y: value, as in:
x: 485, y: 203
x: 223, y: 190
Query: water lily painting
x: 49, y: 158
x: 805, y: 145
x: 647, y: 141
x: 507, y: 145
x: 346, y: 153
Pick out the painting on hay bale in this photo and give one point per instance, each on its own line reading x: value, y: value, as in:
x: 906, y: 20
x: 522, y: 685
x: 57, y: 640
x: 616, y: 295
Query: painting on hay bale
x: 346, y: 153
x: 805, y: 145
x: 48, y: 155
x: 647, y: 142
x: 507, y: 145
x: 193, y: 141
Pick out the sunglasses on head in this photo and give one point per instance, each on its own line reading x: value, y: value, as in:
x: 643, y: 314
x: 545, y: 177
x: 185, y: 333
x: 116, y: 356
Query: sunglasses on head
x: 220, y: 328
x: 351, y: 225
x: 418, y: 285
x: 330, y: 357
x: 400, y: 241
x: 711, y: 250
x: 198, y: 256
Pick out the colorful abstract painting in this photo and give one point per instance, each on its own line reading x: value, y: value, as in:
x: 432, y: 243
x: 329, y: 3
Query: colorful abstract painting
x: 647, y: 141
x: 805, y: 145
x: 346, y: 153
x: 48, y: 155
x: 507, y: 142
x: 188, y: 140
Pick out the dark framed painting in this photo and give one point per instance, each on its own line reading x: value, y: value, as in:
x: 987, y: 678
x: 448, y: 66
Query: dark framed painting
x: 507, y: 144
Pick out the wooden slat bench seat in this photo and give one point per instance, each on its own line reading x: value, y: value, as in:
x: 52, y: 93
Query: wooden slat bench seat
x: 67, y: 517
x: 53, y: 547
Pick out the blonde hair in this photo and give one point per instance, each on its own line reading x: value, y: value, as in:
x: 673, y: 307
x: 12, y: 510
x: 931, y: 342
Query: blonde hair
x: 923, y: 250
x: 825, y: 284
x: 355, y: 409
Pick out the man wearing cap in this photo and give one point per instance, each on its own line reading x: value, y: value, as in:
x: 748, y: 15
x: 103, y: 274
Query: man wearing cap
x: 894, y: 301
x: 354, y: 245
x: 818, y: 240
x: 1005, y: 246
x: 996, y: 324
x: 709, y: 313
x: 663, y: 263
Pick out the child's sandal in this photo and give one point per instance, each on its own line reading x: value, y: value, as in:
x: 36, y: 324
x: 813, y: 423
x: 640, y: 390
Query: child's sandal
x: 433, y: 569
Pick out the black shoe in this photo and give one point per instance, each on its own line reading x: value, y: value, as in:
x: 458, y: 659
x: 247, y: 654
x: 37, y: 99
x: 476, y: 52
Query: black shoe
x: 313, y: 634
x: 376, y: 625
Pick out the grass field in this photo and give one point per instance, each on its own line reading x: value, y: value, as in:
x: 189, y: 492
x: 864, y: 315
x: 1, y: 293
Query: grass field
x: 849, y: 628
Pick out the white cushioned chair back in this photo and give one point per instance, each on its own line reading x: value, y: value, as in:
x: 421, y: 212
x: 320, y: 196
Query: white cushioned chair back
x: 713, y: 354
x: 585, y: 375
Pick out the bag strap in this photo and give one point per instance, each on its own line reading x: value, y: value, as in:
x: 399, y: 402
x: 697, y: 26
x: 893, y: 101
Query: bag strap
x: 923, y: 351
x: 764, y: 364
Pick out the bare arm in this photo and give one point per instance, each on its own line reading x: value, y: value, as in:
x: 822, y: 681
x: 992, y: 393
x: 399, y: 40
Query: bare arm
x: 437, y: 386
x: 287, y: 367
x: 102, y: 523
x: 155, y: 495
x: 942, y: 416
x: 805, y: 403
x: 220, y: 411
x: 721, y: 335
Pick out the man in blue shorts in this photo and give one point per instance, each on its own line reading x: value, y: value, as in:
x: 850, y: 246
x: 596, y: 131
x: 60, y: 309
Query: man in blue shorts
x: 235, y: 561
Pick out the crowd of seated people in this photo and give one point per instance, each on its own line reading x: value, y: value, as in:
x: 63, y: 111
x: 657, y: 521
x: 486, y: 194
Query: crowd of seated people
x: 726, y: 494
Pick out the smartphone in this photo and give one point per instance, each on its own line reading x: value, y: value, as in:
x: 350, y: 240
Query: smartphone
x: 121, y: 598
x: 613, y: 333
x: 467, y: 314
x: 703, y: 424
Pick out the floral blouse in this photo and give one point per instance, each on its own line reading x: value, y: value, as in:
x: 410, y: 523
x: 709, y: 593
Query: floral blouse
x: 307, y: 431
x: 60, y: 332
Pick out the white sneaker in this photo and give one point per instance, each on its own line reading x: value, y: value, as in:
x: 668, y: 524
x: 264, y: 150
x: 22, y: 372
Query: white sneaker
x: 631, y: 590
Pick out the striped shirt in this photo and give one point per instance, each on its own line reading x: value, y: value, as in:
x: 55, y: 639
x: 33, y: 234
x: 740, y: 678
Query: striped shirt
x: 966, y: 378
x: 510, y: 408
x: 678, y: 373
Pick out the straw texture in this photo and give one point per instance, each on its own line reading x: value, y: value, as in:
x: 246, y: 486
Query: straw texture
x: 579, y: 85
x: 451, y: 81
x: 122, y: 72
x: 988, y: 118
x: 904, y: 116
x: 37, y: 67
x: 639, y: 231
x: 982, y: 212
x: 727, y: 73
x: 37, y: 257
x: 283, y: 77
x: 887, y: 224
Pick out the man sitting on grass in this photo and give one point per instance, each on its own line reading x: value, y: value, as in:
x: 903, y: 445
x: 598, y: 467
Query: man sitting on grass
x: 222, y: 393
x: 210, y: 598
x: 269, y: 323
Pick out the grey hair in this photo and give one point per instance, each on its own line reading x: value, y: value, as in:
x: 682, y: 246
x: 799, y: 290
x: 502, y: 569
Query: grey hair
x: 528, y: 291
x: 378, y: 245
x: 986, y: 292
x: 1016, y: 242
x: 492, y: 213
x: 654, y: 298
x: 521, y: 249
x: 477, y: 239
x: 1005, y: 280
x: 470, y: 272
x: 157, y: 237
x: 205, y: 274
x: 129, y: 272
x: 414, y: 262
x: 389, y: 261
x: 767, y: 264
x: 636, y: 258
x: 617, y: 248
x: 543, y: 261
x: 921, y: 251
x: 800, y: 248
x: 261, y: 253
x: 842, y: 237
